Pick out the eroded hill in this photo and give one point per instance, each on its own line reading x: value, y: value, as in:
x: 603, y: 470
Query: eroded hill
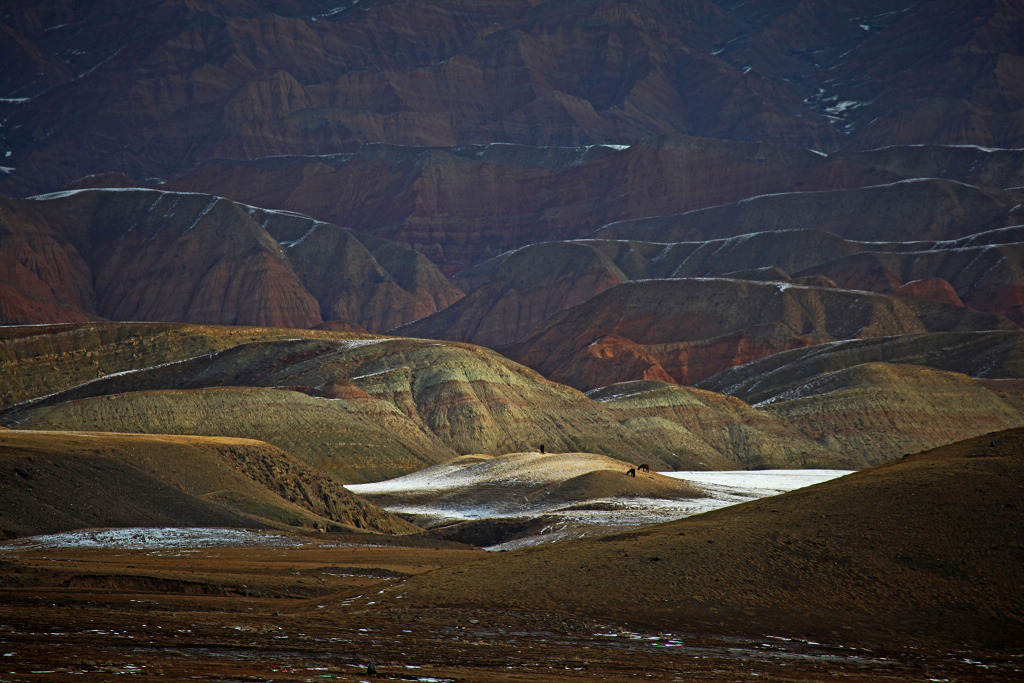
x: 138, y: 254
x: 687, y: 330
x: 364, y: 408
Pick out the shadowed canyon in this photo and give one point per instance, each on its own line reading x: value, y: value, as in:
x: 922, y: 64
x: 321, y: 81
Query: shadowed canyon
x: 304, y: 304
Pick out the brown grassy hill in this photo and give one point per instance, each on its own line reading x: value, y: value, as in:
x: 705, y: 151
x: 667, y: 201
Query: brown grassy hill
x: 721, y: 428
x: 993, y: 355
x: 365, y: 409
x: 924, y: 551
x: 852, y: 417
x: 690, y: 329
x: 356, y: 439
x: 60, y: 481
x: 879, y: 410
x: 42, y: 359
x: 362, y: 409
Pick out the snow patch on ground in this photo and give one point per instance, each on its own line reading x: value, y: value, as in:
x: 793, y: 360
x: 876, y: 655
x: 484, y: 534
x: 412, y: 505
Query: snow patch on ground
x: 143, y: 538
x: 312, y: 229
x: 350, y: 344
x: 69, y: 193
x: 750, y: 484
x: 575, y: 520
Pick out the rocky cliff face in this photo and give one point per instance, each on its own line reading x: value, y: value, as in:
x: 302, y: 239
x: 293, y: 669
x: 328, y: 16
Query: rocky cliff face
x: 779, y: 240
x: 918, y: 209
x: 137, y: 254
x: 986, y: 277
x: 460, y: 206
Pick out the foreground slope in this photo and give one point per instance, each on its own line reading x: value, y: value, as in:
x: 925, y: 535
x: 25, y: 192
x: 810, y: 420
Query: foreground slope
x: 61, y: 481
x: 927, y: 550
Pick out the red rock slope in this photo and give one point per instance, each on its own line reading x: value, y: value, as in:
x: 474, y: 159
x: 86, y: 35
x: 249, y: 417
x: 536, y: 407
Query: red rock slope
x: 135, y: 254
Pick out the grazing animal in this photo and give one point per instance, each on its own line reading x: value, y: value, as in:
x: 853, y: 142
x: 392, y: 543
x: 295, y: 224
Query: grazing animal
x: 631, y: 471
x: 644, y: 468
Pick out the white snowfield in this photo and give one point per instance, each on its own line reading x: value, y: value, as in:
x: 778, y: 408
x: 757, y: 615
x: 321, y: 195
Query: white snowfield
x: 750, y: 484
x: 451, y: 492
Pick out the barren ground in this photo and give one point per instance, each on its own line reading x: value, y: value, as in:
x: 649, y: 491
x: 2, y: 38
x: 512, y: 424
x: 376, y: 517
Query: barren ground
x: 300, y: 613
x: 909, y: 571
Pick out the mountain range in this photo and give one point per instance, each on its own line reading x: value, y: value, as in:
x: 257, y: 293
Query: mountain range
x: 258, y: 259
x: 153, y: 89
x: 745, y: 203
